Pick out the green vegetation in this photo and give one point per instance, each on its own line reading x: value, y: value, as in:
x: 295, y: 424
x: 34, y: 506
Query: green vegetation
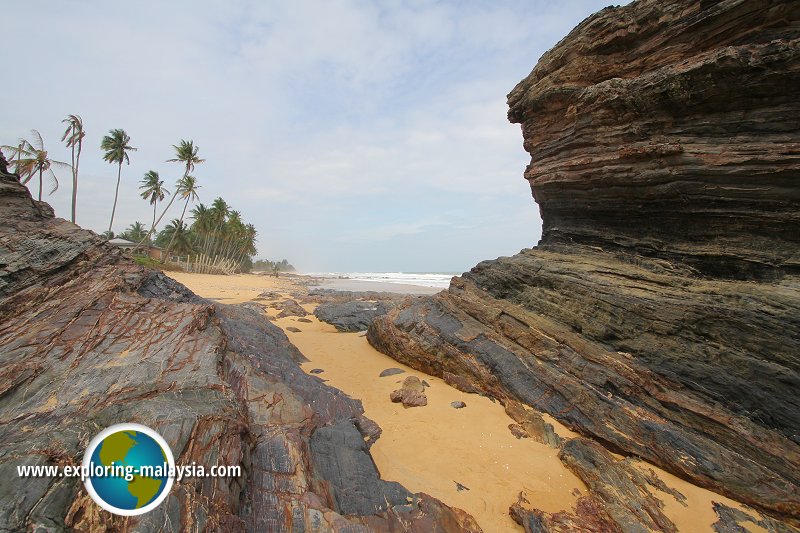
x: 149, y: 262
x: 264, y: 265
x: 216, y: 234
x: 135, y: 232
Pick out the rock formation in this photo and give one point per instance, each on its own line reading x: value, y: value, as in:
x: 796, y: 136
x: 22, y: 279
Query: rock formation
x: 660, y: 312
x: 356, y: 315
x: 89, y: 339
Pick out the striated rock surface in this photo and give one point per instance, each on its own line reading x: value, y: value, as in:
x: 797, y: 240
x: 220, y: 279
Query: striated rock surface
x: 670, y: 127
x: 622, y: 498
x: 89, y: 339
x: 660, y: 313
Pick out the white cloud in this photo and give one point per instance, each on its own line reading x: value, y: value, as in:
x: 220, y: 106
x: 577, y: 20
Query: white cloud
x: 329, y: 122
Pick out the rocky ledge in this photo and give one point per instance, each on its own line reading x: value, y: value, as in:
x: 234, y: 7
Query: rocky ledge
x: 89, y: 339
x: 660, y: 313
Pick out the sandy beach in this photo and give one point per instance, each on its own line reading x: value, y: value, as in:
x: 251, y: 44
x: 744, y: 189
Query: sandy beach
x: 466, y: 457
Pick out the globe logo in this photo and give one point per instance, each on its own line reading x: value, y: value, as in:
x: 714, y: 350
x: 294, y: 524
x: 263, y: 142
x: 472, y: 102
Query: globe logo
x: 128, y: 469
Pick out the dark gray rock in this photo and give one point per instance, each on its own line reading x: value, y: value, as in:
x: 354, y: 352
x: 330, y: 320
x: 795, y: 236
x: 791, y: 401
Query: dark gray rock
x: 458, y: 405
x: 341, y: 457
x: 351, y: 316
x: 391, y: 372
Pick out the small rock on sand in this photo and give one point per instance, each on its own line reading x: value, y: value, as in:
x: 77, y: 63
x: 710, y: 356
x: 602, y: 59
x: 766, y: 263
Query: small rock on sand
x: 411, y: 394
x: 460, y: 487
x: 304, y: 320
x: 458, y: 405
x: 293, y: 329
x: 391, y: 372
x: 316, y: 371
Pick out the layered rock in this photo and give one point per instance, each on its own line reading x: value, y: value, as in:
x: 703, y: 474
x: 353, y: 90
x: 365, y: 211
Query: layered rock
x: 89, y: 339
x: 660, y: 313
x: 670, y: 127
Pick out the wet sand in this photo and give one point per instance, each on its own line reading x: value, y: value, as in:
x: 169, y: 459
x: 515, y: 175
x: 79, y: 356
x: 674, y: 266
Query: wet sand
x: 436, y: 448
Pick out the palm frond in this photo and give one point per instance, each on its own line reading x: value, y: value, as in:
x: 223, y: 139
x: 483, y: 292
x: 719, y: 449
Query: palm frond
x: 37, y: 138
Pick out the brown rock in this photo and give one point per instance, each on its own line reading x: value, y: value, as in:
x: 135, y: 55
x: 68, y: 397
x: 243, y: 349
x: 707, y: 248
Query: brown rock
x: 531, y: 424
x: 411, y: 394
x: 289, y: 307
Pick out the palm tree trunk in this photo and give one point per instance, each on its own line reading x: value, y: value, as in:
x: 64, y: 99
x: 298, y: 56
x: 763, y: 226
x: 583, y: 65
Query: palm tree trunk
x: 157, y: 222
x: 183, y: 214
x: 74, y: 184
x: 116, y: 195
x: 77, y: 162
x: 40, y: 184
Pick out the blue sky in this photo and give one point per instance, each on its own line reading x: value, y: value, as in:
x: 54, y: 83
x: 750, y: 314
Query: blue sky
x: 355, y: 135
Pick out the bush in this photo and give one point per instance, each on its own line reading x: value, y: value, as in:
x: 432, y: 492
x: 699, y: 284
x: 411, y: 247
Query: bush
x: 149, y: 262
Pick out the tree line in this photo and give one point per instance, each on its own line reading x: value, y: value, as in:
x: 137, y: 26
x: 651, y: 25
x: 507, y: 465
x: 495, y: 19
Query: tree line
x: 216, y: 230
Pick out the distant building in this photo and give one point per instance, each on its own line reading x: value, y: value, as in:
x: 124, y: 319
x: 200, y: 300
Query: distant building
x: 122, y: 243
x: 153, y: 251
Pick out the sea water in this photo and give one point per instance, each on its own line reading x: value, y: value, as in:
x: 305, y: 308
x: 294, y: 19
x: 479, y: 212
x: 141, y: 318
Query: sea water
x: 438, y: 280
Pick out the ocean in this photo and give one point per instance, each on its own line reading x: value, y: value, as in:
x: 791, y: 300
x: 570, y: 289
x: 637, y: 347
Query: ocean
x: 386, y: 281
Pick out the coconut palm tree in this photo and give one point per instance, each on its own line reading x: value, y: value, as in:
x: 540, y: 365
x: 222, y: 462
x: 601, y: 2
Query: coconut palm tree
x: 135, y: 232
x: 73, y: 137
x: 33, y: 159
x: 153, y: 190
x: 219, y: 215
x: 187, y: 188
x: 186, y: 153
x: 116, y: 147
x: 25, y: 172
x: 201, y: 226
x: 177, y: 233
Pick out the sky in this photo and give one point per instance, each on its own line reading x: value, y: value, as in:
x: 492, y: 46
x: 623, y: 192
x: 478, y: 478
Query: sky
x: 355, y: 135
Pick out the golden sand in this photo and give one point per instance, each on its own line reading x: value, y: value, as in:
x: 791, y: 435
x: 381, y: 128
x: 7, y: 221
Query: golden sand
x: 436, y: 448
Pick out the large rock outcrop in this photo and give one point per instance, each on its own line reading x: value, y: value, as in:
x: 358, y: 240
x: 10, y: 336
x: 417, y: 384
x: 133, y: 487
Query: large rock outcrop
x: 660, y: 313
x: 89, y: 339
x: 670, y: 127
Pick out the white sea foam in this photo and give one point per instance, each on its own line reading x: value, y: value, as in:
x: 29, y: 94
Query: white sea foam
x: 424, y: 279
